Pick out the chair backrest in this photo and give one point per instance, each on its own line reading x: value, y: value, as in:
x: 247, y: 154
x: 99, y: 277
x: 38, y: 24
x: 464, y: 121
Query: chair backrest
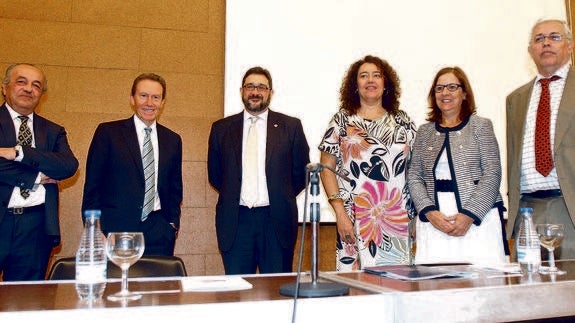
x: 147, y: 266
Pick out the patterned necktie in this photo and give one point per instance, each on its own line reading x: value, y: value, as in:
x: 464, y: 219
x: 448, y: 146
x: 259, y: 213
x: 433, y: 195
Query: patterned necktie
x: 250, y: 166
x: 149, y: 175
x: 24, y: 139
x: 543, y: 155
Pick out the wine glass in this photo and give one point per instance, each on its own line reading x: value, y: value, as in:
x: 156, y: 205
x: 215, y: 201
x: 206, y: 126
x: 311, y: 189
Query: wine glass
x: 124, y: 249
x: 550, y: 237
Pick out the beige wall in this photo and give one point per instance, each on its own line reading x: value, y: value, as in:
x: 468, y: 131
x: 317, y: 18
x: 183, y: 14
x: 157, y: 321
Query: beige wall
x: 91, y: 50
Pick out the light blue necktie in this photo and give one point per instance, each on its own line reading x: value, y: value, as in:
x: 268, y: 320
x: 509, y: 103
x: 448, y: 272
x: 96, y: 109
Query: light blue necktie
x: 149, y: 175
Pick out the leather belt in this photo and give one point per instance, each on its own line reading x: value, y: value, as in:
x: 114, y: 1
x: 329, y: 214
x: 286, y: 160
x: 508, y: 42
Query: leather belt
x: 26, y: 210
x: 543, y: 194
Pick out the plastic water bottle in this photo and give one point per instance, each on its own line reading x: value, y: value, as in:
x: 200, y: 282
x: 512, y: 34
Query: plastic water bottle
x: 528, y: 248
x: 91, y: 262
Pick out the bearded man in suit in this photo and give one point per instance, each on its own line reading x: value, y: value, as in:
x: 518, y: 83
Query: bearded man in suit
x: 256, y: 162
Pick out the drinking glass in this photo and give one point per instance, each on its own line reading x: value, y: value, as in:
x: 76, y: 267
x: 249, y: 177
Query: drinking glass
x: 124, y: 249
x: 550, y: 237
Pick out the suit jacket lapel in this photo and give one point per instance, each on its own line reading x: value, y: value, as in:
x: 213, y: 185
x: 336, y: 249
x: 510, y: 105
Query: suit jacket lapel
x: 7, y: 131
x: 162, y: 142
x: 40, y: 133
x: 521, y: 112
x: 566, y: 112
x: 236, y: 137
x: 274, y: 124
x: 520, y: 115
x: 132, y: 144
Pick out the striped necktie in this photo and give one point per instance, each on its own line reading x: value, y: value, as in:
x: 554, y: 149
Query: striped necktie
x: 149, y: 175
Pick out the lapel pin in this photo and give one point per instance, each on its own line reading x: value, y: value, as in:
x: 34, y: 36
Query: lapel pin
x: 275, y: 125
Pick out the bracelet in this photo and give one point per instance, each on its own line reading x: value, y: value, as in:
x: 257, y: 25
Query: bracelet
x: 336, y: 196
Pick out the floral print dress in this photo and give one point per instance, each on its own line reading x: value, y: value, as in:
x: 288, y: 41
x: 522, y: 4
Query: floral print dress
x: 374, y: 155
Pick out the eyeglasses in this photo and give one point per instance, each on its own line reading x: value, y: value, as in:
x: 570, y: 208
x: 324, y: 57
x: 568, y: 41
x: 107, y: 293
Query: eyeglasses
x: 555, y: 37
x: 253, y: 87
x: 451, y: 87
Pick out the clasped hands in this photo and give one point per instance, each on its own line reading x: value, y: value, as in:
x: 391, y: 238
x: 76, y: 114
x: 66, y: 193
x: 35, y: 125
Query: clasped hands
x: 456, y: 225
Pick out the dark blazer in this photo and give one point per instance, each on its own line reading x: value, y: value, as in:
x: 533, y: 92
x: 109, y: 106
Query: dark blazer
x: 115, y: 177
x: 563, y: 147
x: 52, y: 156
x: 287, y: 154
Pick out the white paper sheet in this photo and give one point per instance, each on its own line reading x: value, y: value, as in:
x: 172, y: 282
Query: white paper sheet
x: 214, y: 283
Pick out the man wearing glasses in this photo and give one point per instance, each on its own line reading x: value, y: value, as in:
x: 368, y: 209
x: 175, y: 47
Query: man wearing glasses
x: 256, y: 162
x: 541, y: 138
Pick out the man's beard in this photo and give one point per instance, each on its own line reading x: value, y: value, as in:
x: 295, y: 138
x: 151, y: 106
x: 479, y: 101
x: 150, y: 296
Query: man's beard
x: 262, y: 106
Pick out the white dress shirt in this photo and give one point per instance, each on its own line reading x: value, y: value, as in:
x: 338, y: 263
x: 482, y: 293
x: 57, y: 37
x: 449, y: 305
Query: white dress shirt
x: 38, y: 193
x: 531, y: 179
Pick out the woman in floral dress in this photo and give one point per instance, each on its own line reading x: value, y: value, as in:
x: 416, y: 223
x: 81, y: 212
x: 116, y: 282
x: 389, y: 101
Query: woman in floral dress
x: 369, y: 141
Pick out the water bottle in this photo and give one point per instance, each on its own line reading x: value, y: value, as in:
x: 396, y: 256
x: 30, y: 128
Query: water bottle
x: 528, y: 248
x: 91, y: 262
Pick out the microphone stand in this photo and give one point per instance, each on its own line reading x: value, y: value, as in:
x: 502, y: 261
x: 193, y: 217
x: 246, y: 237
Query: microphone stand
x: 314, y: 288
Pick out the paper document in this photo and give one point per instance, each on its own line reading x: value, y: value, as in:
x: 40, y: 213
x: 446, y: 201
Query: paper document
x: 416, y: 272
x: 214, y: 283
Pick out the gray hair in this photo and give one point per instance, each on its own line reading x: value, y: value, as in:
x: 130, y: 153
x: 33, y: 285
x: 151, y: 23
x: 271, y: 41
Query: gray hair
x: 6, y: 79
x: 566, y: 28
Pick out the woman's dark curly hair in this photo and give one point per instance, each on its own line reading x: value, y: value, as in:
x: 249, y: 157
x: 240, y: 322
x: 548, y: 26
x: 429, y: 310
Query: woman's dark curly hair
x: 468, y: 104
x: 349, y: 95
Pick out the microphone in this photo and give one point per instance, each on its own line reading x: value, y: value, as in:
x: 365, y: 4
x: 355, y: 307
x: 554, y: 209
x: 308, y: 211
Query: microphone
x: 317, y: 167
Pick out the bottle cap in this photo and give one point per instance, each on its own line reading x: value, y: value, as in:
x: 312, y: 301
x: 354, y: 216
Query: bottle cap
x: 92, y: 214
x: 526, y: 210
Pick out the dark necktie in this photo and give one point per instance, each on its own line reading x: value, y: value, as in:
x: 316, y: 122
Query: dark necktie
x: 24, y: 133
x: 24, y: 139
x: 149, y: 175
x: 543, y: 156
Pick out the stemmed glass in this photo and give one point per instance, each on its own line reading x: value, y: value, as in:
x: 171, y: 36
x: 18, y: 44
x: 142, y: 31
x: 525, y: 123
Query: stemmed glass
x: 124, y: 249
x: 550, y: 237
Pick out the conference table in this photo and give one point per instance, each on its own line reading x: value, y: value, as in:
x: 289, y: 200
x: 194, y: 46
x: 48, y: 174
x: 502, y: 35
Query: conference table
x: 486, y: 295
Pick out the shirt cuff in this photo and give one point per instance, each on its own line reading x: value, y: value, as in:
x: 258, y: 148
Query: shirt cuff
x: 37, y: 182
x: 19, y: 154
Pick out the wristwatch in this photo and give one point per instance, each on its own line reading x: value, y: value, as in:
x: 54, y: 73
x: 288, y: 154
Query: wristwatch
x: 16, y: 152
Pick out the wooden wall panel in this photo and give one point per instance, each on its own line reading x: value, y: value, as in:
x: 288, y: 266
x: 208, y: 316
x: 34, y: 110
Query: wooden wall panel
x: 91, y: 50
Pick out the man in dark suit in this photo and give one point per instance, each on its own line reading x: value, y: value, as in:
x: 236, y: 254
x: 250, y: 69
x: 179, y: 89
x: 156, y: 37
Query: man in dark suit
x: 35, y: 155
x: 138, y: 188
x: 549, y: 191
x: 256, y: 161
